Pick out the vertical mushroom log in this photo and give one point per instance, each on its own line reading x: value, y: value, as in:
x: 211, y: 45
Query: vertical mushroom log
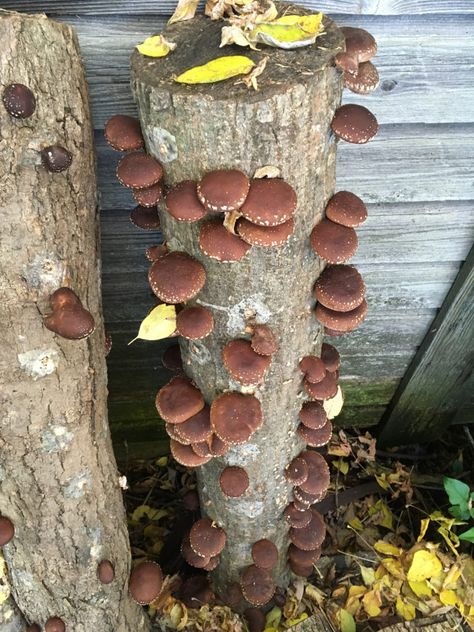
x: 214, y: 137
x: 61, y: 510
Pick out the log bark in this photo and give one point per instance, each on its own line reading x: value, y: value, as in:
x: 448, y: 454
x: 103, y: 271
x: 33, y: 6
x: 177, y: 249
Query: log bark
x: 59, y: 481
x: 286, y: 124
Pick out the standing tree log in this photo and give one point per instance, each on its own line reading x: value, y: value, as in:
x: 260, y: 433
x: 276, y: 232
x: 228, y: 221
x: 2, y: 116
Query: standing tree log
x: 59, y: 482
x: 285, y: 124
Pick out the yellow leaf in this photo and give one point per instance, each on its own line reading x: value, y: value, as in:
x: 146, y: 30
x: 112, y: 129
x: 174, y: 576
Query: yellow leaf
x: 291, y: 622
x: 382, y: 481
x: 452, y: 576
x: 162, y: 461
x: 425, y: 523
x: 424, y: 565
x: 448, y: 597
x: 160, y: 323
x: 179, y: 615
x: 372, y: 602
x: 421, y: 588
x: 387, y: 549
x: 308, y: 23
x: 450, y: 538
x: 382, y: 514
x: 144, y: 511
x: 155, y: 46
x: 185, y: 10
x: 405, y: 610
x: 346, y: 621
x: 334, y: 405
x: 273, y: 618
x: 355, y: 523
x: 394, y: 567
x: 341, y: 465
x: 217, y: 70
x: 368, y: 575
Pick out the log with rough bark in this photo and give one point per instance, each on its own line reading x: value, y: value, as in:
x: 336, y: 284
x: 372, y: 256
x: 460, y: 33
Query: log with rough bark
x: 285, y: 124
x: 59, y: 484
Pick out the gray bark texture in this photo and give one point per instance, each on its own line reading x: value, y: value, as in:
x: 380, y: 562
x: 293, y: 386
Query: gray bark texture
x: 58, y: 480
x: 286, y: 124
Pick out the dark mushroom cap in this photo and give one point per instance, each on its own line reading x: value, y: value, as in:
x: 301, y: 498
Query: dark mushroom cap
x: 196, y: 591
x: 244, y: 365
x: 308, y: 499
x: 300, y: 505
x: 235, y: 417
x: 34, y: 627
x: 257, y: 585
x: 264, y: 341
x: 195, y: 429
x: 313, y: 368
x: 270, y: 202
x: 297, y: 518
x: 176, y: 277
x: 191, y: 557
x: 183, y: 204
x: 72, y: 322
x: 139, y: 171
x: 148, y: 197
x: 106, y: 572
x: 318, y: 476
x: 191, y: 500
x: 330, y: 356
x: 296, y: 472
x: 360, y: 44
x: 364, y: 81
x: 19, y: 100
x: 325, y: 389
x: 341, y: 321
x: 124, y: 133
x: 212, y: 564
x: 347, y: 209
x: 232, y: 595
x: 179, y: 400
x: 265, y: 236
x: 333, y: 242
x: 145, y: 217
x: 340, y: 287
x: 185, y: 455
x: 234, y: 481
x: 194, y: 322
x: 202, y: 449
x: 218, y: 243
x: 153, y: 253
x: 207, y: 538
x: 64, y: 297
x: 301, y: 570
x: 55, y: 624
x: 303, y: 557
x: 265, y: 554
x: 7, y: 530
x: 313, y: 415
x: 310, y: 537
x: 255, y: 619
x: 223, y: 190
x: 346, y: 63
x: 217, y: 446
x: 55, y: 158
x: 146, y: 582
x: 316, y: 438
x: 354, y: 124
x: 171, y: 358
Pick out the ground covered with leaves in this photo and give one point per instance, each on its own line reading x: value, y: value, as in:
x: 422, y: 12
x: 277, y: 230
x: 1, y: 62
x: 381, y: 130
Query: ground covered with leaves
x: 399, y: 543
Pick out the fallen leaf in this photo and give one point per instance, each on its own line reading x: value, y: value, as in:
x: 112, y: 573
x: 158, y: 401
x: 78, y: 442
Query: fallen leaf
x: 405, y: 609
x: 155, y: 46
x: 368, y: 574
x: 425, y: 564
x: 346, y: 621
x: 387, y: 549
x: 218, y: 69
x: 421, y: 588
x: 185, y: 10
x: 334, y: 405
x: 160, y: 323
x: 372, y: 602
x: 250, y: 80
x: 289, y: 31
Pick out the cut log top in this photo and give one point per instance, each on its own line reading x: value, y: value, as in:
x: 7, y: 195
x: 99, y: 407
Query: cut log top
x: 198, y: 42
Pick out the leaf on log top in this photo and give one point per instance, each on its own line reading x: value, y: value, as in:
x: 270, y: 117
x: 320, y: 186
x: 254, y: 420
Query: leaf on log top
x: 198, y: 42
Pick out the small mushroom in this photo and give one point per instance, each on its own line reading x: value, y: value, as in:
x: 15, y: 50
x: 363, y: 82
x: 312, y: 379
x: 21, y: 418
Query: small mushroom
x: 309, y: 499
x: 265, y: 554
x: 296, y: 472
x: 145, y: 217
x: 341, y: 322
x: 318, y: 475
x: 139, y: 171
x: 333, y: 242
x: 106, y: 572
x: 265, y: 236
x: 347, y: 209
x: 7, y: 530
x: 177, y: 277
x: 196, y: 591
x: 19, y: 100
x: 360, y: 44
x: 263, y: 340
x: 207, y: 538
x: 313, y: 415
x: 124, y: 133
x: 191, y: 500
x: 56, y: 158
x: 297, y: 518
x: 313, y: 369
x: 191, y: 557
x: 235, y: 417
x: 153, y: 253
x: 171, y: 358
x: 234, y: 481
x: 212, y: 564
x: 303, y: 557
x: 183, y: 204
x: 270, y: 202
x: 325, y: 389
x: 146, y: 582
x: 194, y: 322
x: 223, y: 190
x: 310, y: 537
x: 316, y: 438
x: 68, y: 318
x: 364, y: 81
x: 148, y: 197
x: 217, y: 242
x: 257, y: 585
x: 340, y: 288
x: 217, y: 446
x: 55, y: 624
x: 300, y: 569
x: 186, y: 455
x: 346, y: 63
x: 244, y: 365
x: 354, y: 124
x: 195, y: 429
x: 179, y: 400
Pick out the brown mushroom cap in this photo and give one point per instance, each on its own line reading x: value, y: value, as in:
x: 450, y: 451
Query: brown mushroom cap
x: 194, y: 322
x: 197, y: 428
x: 265, y: 554
x: 341, y: 321
x: 106, y: 572
x: 19, y: 100
x: 296, y: 472
x: 172, y: 432
x: 179, y: 400
x: 171, y: 358
x: 218, y: 243
x: 354, y: 124
x: 191, y: 557
x: 333, y: 242
x: 265, y: 236
x: 146, y: 582
x: 191, y: 500
x: 346, y: 63
x: 71, y: 321
x: 217, y: 446
x: 297, y: 518
x: 360, y: 44
x: 235, y: 417
x: 347, y: 209
x: 196, y: 591
x: 301, y: 505
x: 223, y: 190
x: 55, y: 624
x: 183, y: 204
x: 176, y: 277
x: 364, y: 81
x: 316, y: 438
x: 244, y: 365
x: 202, y: 449
x: 270, y: 202
x: 232, y: 595
x: 264, y: 341
x: 330, y: 356
x: 340, y: 287
x: 139, y: 171
x: 124, y: 133
x: 34, y: 627
x: 325, y: 389
x: 148, y: 197
x: 299, y: 556
x: 301, y: 570
x: 186, y: 455
x: 207, y: 538
x: 308, y: 499
x: 212, y: 564
x: 55, y: 158
x: 318, y: 475
x: 257, y: 585
x: 310, y: 537
x: 153, y: 253
x: 145, y: 217
x: 255, y: 619
x: 64, y: 297
x: 234, y: 481
x: 313, y: 369
x: 313, y: 415
x: 7, y: 530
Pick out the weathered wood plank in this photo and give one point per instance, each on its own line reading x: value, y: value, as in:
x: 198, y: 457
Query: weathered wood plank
x: 430, y: 392
x: 166, y: 7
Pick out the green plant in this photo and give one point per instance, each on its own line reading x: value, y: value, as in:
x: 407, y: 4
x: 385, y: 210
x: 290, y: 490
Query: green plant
x: 462, y: 504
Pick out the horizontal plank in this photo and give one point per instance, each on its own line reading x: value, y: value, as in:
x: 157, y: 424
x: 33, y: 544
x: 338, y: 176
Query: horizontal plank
x: 424, y: 65
x: 166, y: 7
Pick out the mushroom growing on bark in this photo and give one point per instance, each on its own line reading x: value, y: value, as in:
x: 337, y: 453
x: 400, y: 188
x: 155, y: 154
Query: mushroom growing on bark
x: 354, y: 124
x: 243, y: 363
x: 223, y: 190
x: 179, y: 400
x: 139, y: 171
x: 146, y: 582
x: 19, y: 100
x: 56, y: 158
x: 333, y: 242
x: 183, y: 204
x: 176, y: 277
x: 69, y: 319
x: 124, y: 133
x: 7, y: 530
x: 145, y: 217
